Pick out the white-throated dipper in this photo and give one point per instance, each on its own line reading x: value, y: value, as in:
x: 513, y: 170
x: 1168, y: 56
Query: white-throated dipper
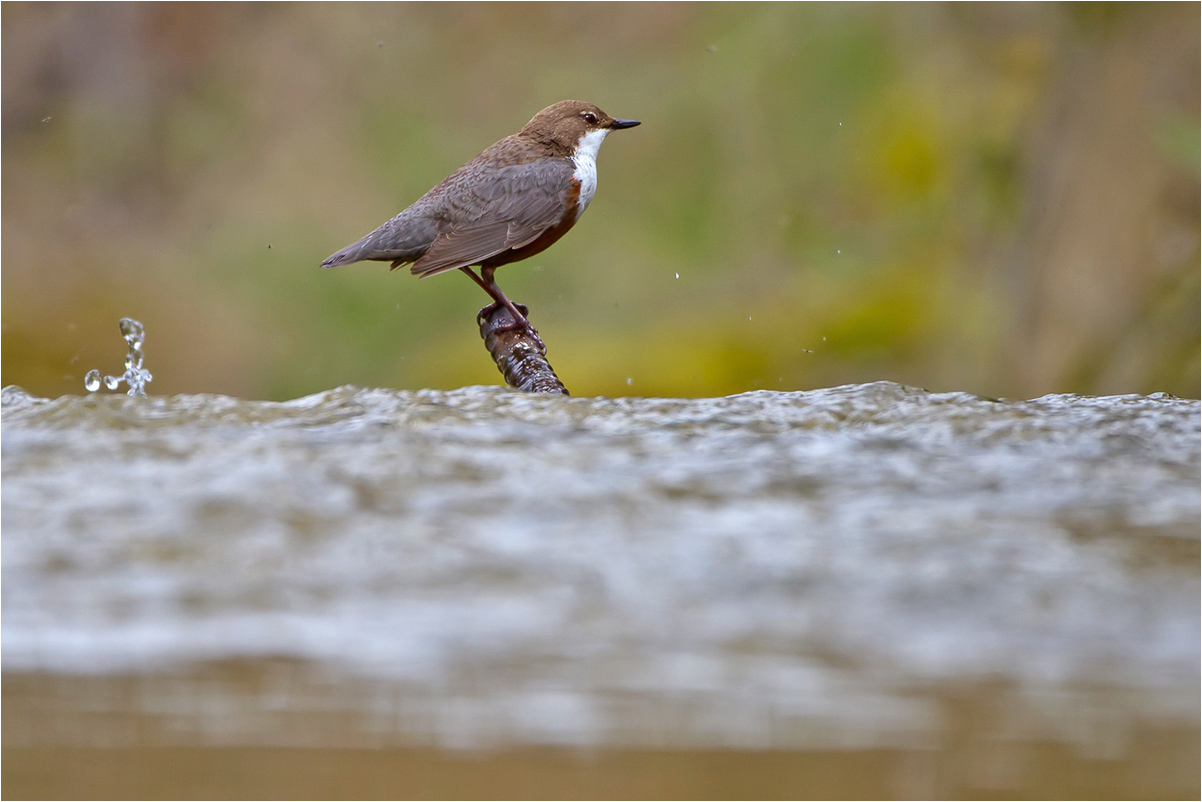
x: 509, y: 203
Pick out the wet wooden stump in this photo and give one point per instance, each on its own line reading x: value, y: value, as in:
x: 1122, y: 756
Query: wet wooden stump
x: 520, y: 355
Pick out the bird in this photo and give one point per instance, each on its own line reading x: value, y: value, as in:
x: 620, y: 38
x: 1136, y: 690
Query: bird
x: 513, y: 201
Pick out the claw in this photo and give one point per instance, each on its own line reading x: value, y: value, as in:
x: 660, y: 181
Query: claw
x: 510, y: 324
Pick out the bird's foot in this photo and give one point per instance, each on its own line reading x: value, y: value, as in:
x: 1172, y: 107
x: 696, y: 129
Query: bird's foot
x: 511, y: 324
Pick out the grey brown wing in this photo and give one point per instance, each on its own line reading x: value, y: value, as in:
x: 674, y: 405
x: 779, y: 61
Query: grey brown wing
x: 517, y: 203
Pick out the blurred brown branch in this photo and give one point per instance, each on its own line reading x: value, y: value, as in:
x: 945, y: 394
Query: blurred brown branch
x: 1105, y: 266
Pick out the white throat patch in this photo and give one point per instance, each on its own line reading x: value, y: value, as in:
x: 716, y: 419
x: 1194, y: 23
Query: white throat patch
x: 585, y: 160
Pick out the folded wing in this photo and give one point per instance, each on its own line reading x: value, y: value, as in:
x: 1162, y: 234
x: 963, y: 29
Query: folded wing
x: 507, y: 210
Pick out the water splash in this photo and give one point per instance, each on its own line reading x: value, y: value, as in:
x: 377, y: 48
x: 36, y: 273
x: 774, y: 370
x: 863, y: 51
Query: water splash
x: 135, y: 375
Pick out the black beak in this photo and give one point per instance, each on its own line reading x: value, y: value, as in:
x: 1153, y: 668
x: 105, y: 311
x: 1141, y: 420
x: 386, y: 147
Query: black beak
x: 623, y: 123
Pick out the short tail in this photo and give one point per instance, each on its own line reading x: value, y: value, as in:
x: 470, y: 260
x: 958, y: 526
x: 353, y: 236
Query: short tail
x: 381, y: 245
x: 351, y: 253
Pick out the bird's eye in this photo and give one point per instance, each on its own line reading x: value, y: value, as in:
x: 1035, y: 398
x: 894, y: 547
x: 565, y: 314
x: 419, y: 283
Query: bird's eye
x: 589, y: 117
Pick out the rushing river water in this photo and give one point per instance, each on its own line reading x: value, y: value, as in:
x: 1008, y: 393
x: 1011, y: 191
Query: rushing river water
x: 868, y: 567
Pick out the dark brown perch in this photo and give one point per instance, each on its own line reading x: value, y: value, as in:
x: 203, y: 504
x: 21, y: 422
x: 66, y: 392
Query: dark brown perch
x: 520, y: 355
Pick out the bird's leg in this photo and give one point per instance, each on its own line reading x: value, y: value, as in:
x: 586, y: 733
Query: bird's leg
x: 499, y: 299
x: 490, y: 286
x: 492, y: 289
x: 472, y: 275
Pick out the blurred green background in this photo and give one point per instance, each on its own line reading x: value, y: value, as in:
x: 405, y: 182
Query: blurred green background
x: 1002, y: 199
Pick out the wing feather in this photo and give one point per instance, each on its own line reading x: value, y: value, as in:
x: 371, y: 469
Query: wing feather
x: 517, y: 203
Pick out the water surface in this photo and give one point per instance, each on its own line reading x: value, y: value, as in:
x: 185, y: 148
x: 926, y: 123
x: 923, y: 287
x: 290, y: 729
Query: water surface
x: 869, y: 567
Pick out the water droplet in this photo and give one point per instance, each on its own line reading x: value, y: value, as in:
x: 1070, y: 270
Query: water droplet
x: 837, y: 251
x: 629, y: 379
x: 131, y: 330
x: 135, y: 375
x: 677, y: 275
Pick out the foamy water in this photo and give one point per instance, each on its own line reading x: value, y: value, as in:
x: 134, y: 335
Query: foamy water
x: 822, y: 568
